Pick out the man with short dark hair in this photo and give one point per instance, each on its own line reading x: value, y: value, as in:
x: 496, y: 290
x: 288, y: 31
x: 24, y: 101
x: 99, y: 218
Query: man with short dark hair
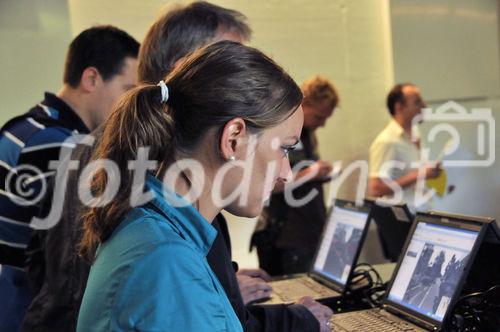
x: 172, y: 37
x: 395, y: 145
x: 100, y: 65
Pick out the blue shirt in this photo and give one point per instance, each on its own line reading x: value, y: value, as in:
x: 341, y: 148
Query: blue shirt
x: 152, y: 273
x: 31, y: 140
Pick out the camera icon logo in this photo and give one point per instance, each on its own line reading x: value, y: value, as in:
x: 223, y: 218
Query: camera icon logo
x: 446, y: 119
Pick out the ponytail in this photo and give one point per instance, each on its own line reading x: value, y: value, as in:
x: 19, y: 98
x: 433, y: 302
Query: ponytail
x: 140, y: 119
x: 215, y: 84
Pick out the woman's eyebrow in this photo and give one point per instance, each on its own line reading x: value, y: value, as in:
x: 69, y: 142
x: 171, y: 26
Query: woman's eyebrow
x: 295, y: 138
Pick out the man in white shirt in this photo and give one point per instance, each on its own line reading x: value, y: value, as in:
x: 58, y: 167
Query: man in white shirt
x: 394, y: 156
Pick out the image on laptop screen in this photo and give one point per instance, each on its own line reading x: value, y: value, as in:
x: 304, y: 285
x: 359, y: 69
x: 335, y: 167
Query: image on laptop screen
x: 340, y: 243
x: 431, y: 269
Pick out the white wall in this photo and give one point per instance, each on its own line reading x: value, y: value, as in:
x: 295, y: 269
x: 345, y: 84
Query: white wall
x: 477, y: 188
x: 448, y: 47
x: 33, y: 40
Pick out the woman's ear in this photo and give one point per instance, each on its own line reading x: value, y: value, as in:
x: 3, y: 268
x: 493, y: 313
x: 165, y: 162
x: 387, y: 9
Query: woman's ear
x: 233, y: 133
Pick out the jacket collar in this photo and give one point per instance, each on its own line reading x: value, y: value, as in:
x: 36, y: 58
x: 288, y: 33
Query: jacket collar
x: 65, y: 114
x: 182, y: 215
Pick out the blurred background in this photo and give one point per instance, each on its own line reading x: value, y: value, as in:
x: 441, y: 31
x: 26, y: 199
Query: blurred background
x: 450, y: 48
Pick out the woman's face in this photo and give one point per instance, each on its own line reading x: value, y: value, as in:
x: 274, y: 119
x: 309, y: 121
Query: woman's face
x: 264, y: 164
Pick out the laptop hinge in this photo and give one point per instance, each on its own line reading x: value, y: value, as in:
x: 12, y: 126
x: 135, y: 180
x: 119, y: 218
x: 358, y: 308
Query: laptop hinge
x: 324, y: 281
x: 411, y: 318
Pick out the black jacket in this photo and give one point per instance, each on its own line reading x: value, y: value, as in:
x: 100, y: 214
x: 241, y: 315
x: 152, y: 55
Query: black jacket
x: 58, y: 276
x: 253, y: 317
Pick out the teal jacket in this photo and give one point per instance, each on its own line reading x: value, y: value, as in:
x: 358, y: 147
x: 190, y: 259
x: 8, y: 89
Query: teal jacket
x: 152, y: 273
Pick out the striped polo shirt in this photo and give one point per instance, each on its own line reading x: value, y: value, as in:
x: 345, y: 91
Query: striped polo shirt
x: 27, y: 144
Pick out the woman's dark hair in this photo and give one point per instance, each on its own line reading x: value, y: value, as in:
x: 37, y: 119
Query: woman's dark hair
x: 181, y: 31
x: 216, y: 84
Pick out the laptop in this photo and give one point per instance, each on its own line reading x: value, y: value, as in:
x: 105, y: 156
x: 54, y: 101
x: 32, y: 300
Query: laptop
x: 393, y: 225
x: 428, y: 279
x: 336, y: 256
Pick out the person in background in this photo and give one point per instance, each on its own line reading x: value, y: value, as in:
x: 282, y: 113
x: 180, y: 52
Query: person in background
x: 286, y: 236
x: 395, y: 145
x: 54, y: 260
x: 92, y: 82
x: 101, y: 64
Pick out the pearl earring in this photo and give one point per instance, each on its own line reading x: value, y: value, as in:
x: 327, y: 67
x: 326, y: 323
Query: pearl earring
x: 231, y: 158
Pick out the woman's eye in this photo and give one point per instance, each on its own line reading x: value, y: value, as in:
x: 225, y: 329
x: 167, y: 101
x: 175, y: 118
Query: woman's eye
x: 287, y: 149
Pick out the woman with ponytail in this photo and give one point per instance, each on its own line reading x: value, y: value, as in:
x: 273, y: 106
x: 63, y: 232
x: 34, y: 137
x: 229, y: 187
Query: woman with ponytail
x: 172, y: 156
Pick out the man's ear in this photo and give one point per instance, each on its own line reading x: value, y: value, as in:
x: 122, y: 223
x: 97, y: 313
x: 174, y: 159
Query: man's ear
x: 90, y: 79
x: 231, y: 139
x: 399, y: 107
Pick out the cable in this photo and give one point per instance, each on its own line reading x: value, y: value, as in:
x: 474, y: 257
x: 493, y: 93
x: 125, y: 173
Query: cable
x: 370, y: 269
x: 372, y: 287
x: 478, y: 311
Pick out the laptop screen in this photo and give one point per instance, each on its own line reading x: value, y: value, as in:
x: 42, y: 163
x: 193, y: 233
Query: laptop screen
x: 340, y: 243
x: 432, y: 267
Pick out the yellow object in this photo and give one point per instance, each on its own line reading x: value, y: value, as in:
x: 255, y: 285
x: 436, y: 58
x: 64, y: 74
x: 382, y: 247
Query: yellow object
x: 439, y: 183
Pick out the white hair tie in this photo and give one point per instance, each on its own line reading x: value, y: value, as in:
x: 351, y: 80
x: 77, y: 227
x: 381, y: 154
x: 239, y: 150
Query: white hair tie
x: 164, y: 91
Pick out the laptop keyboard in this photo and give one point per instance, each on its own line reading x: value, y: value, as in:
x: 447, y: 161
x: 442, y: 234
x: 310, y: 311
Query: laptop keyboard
x: 290, y: 290
x: 369, y: 320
